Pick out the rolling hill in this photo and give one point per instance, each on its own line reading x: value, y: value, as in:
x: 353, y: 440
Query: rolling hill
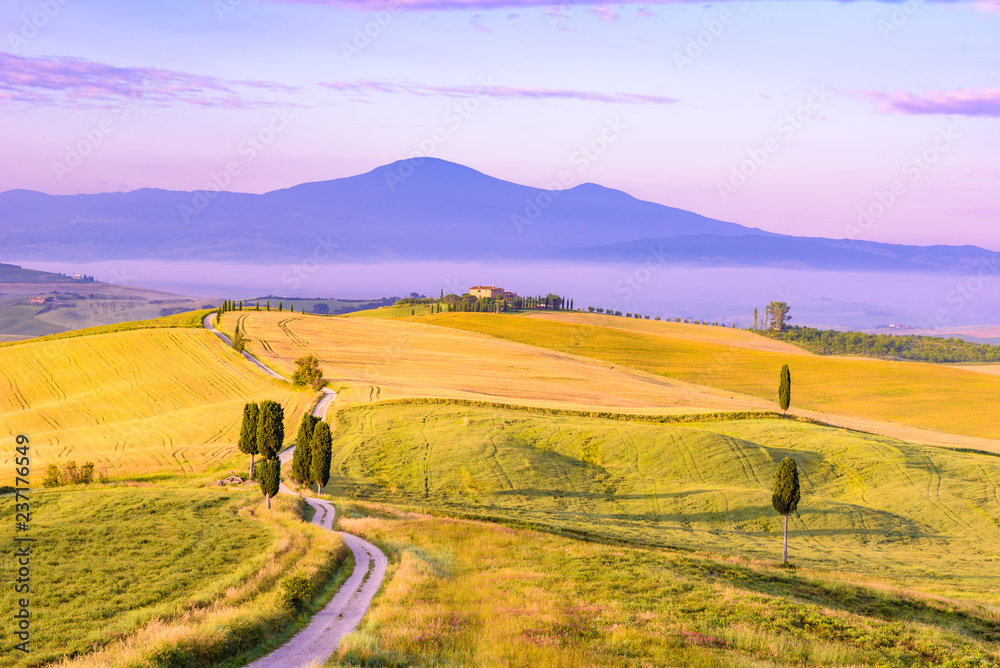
x: 137, y: 401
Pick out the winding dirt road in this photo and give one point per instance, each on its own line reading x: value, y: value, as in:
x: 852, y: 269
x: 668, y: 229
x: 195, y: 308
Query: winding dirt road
x: 317, y: 642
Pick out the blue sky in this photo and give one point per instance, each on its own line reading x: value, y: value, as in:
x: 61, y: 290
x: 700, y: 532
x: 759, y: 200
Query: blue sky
x: 165, y: 94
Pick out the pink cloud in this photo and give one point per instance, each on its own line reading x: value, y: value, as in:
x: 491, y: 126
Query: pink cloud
x: 434, y: 5
x: 606, y: 13
x: 76, y: 82
x: 987, y: 6
x: 959, y: 102
x: 365, y: 86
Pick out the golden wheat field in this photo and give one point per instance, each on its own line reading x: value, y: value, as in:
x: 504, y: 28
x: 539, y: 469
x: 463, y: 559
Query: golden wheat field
x: 913, y: 394
x: 144, y: 401
x: 392, y: 359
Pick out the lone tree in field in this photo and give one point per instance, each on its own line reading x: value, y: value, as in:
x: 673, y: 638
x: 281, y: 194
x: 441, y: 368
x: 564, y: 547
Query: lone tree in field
x: 302, y: 457
x: 269, y: 478
x: 248, y: 432
x: 785, y: 497
x: 270, y: 429
x: 307, y: 372
x: 777, y: 316
x: 785, y: 389
x: 322, y: 453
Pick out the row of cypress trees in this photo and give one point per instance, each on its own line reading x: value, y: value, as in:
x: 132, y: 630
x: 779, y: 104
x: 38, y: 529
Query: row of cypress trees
x: 313, y: 453
x: 233, y: 305
x: 262, y: 433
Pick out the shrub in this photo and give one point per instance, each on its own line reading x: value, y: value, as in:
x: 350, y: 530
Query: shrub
x: 307, y: 372
x: 298, y: 591
x: 53, y: 478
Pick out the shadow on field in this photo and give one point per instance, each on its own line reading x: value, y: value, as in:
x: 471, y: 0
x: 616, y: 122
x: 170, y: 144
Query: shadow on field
x: 892, y: 606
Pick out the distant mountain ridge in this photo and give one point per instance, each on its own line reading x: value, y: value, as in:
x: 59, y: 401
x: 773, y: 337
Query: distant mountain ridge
x: 431, y: 210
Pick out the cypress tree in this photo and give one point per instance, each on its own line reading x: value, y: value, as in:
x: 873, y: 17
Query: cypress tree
x: 248, y: 432
x: 322, y: 454
x: 258, y: 306
x: 785, y: 389
x: 302, y: 456
x: 270, y: 429
x: 241, y: 304
x: 281, y: 306
x: 291, y: 308
x: 785, y: 497
x: 269, y: 478
x: 268, y: 304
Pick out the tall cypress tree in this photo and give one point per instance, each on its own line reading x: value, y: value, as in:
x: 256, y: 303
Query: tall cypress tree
x: 785, y: 497
x: 302, y: 457
x: 270, y: 429
x: 269, y: 478
x: 248, y: 432
x: 322, y: 454
x: 281, y: 306
x: 268, y: 304
x: 785, y: 389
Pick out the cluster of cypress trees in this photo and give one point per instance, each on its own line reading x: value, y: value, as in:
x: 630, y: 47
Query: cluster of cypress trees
x: 262, y: 433
x: 313, y: 453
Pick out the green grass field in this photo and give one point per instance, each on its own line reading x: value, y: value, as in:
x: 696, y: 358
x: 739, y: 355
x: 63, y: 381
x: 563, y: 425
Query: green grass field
x: 112, y: 563
x: 878, y: 508
x: 942, y: 398
x: 392, y: 312
x: 478, y: 595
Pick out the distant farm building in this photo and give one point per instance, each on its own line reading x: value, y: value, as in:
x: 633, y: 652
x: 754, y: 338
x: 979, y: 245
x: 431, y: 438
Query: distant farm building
x: 37, y: 300
x: 486, y: 291
x: 78, y: 276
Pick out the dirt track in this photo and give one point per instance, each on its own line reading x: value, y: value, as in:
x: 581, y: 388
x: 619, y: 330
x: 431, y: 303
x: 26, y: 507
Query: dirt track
x: 314, y: 644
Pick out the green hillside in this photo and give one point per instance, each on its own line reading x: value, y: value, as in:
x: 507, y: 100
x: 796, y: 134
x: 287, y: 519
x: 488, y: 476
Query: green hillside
x: 873, y: 506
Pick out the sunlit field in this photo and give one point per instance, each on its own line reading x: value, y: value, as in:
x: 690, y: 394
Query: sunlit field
x: 135, y: 401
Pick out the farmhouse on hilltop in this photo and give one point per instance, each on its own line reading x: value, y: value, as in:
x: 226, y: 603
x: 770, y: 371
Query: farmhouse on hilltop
x: 486, y: 291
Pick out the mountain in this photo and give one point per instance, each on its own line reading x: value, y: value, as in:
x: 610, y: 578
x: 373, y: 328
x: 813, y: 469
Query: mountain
x: 425, y: 209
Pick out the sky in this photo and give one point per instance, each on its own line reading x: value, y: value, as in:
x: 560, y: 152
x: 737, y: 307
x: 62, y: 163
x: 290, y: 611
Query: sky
x: 868, y: 120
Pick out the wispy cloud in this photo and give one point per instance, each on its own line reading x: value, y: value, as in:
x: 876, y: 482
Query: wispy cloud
x: 79, y: 83
x: 432, y: 5
x: 367, y: 86
x: 959, y: 102
x: 606, y: 13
